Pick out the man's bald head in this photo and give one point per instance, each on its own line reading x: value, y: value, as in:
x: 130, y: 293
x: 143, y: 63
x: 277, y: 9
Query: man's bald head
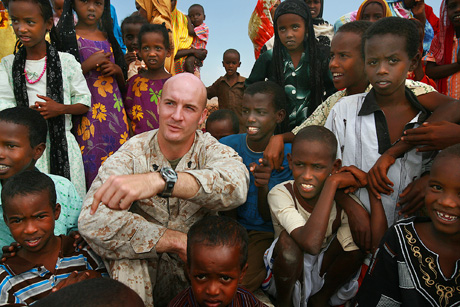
x: 185, y: 83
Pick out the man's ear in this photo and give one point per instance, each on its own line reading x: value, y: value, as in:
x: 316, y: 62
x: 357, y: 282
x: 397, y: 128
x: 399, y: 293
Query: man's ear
x: 239, y: 64
x: 38, y: 151
x: 243, y: 272
x: 203, y: 116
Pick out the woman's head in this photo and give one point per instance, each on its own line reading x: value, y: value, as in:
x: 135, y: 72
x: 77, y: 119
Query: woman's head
x: 373, y: 10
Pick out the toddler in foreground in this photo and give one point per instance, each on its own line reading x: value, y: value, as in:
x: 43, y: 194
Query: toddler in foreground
x: 217, y: 250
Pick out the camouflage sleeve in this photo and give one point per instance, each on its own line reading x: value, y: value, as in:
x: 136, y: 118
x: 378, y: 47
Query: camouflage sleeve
x: 118, y: 234
x: 223, y: 177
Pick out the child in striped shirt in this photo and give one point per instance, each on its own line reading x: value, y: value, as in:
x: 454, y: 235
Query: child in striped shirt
x: 45, y: 262
x: 200, y: 35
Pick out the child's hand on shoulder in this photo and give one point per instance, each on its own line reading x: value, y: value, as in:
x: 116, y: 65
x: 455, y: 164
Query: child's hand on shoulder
x: 76, y: 277
x: 261, y: 172
x: 48, y: 108
x: 349, y: 178
x: 10, y: 251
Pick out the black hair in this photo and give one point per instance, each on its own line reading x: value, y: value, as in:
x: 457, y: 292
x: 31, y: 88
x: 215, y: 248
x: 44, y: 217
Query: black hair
x: 232, y: 51
x: 218, y: 231
x: 453, y: 150
x: 224, y: 114
x: 196, y: 5
x: 317, y: 53
x: 29, y: 118
x: 358, y: 27
x: 27, y: 183
x: 46, y: 11
x: 134, y: 18
x: 396, y: 26
x: 278, y: 98
x: 68, y: 38
x: 317, y: 134
x: 161, y: 29
x: 98, y: 292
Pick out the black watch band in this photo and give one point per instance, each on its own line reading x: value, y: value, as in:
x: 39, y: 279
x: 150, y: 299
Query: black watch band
x: 170, y: 178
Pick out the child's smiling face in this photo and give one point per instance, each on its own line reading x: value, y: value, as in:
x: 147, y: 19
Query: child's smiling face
x: 453, y: 12
x: 387, y: 63
x: 215, y: 272
x: 31, y: 220
x: 442, y: 197
x: 311, y: 163
x: 291, y: 31
x: 347, y: 64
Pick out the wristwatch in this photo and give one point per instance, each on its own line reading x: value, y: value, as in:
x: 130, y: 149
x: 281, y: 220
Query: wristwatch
x: 170, y: 178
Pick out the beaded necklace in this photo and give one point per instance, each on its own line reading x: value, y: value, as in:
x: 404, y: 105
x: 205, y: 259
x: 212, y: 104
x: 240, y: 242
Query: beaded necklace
x: 39, y: 77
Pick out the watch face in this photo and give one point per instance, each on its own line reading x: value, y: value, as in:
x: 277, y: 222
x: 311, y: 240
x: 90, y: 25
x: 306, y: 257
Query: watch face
x: 168, y: 174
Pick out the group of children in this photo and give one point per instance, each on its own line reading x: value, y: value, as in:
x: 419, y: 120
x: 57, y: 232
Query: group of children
x: 313, y: 229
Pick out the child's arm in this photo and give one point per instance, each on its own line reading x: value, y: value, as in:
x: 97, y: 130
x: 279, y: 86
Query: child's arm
x: 198, y: 53
x: 310, y: 237
x: 435, y: 71
x: 379, y: 223
x: 94, y: 61
x: 274, y: 152
x: 50, y: 108
x: 108, y: 68
x: 190, y: 28
x: 261, y: 173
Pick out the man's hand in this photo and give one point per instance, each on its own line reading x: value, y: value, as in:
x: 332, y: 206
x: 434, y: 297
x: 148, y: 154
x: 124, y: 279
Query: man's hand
x: 274, y: 152
x: 413, y: 196
x: 119, y: 192
x: 10, y: 251
x: 377, y: 176
x: 433, y: 136
x: 76, y: 277
x: 261, y: 172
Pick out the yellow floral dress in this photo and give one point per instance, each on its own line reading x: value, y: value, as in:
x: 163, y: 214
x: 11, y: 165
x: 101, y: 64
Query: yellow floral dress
x: 102, y: 130
x: 141, y: 102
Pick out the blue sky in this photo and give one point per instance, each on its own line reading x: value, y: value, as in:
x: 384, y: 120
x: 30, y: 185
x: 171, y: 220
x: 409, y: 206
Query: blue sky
x: 228, y: 28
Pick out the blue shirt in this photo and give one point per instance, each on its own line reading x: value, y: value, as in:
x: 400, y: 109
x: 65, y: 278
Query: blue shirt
x: 117, y: 29
x: 248, y: 213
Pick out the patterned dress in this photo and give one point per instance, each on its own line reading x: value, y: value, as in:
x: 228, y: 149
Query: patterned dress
x: 104, y: 128
x: 141, y: 102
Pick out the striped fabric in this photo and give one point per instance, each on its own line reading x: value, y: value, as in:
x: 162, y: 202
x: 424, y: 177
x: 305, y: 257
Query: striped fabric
x: 242, y: 298
x: 201, y: 39
x: 24, y: 282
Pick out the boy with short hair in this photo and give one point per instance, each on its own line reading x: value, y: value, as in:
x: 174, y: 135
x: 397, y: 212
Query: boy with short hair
x: 45, y: 260
x: 377, y: 120
x: 313, y: 255
x: 217, y: 251
x: 222, y: 123
x: 22, y: 142
x: 229, y: 88
x: 130, y: 27
x: 417, y: 263
x: 200, y: 34
x: 264, y: 114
